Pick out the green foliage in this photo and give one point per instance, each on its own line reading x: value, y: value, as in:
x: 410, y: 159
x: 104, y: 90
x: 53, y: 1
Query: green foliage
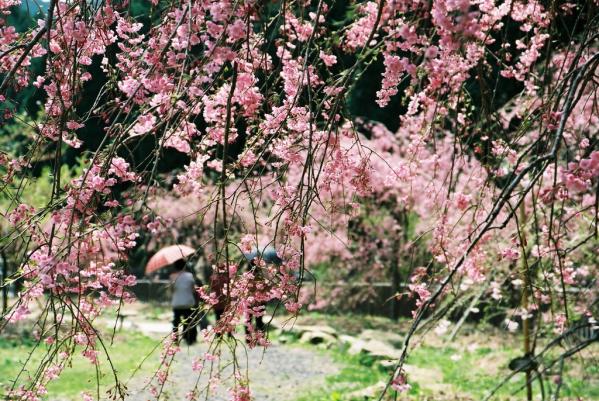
x: 34, y: 186
x: 23, y: 18
x: 17, y: 139
x: 35, y: 191
x: 24, y: 340
x: 126, y: 354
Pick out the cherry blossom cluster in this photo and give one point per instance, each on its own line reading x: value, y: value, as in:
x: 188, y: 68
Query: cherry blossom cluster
x: 254, y: 97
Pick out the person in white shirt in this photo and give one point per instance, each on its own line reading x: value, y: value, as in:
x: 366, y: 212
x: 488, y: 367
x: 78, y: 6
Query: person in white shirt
x: 184, y: 302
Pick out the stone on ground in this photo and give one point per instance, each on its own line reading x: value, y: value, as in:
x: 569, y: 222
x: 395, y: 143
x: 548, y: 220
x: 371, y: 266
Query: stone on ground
x: 317, y: 337
x: 375, y: 348
x: 381, y: 335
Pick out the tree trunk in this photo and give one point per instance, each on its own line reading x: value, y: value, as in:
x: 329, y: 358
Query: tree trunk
x: 4, y: 285
x: 397, y: 258
x: 525, y: 295
x: 395, y: 281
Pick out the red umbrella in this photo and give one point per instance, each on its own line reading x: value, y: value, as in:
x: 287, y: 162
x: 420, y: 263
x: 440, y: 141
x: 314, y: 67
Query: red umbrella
x: 168, y: 255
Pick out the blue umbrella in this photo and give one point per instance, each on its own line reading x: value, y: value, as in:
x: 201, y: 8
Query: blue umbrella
x: 268, y: 254
x: 253, y: 254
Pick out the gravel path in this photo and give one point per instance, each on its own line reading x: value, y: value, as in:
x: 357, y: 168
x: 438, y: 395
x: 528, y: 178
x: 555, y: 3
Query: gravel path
x: 281, y: 373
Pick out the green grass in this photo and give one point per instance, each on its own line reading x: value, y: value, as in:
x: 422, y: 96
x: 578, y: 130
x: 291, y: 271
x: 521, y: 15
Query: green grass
x: 472, y: 375
x: 356, y: 372
x: 468, y: 377
x: 451, y: 371
x: 126, y: 353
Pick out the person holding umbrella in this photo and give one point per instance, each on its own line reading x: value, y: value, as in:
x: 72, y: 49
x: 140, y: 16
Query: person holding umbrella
x: 184, y: 296
x: 269, y: 256
x: 184, y: 302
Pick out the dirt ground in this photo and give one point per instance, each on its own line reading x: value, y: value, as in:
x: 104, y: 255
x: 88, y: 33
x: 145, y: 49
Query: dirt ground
x: 278, y: 373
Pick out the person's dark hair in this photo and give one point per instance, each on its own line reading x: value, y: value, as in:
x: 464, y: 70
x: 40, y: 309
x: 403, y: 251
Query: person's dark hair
x: 179, y: 265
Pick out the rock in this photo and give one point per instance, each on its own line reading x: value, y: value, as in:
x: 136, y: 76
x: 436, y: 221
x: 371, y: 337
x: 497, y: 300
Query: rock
x: 356, y: 346
x: 299, y: 329
x: 375, y: 348
x: 350, y: 340
x: 322, y: 329
x: 384, y: 352
x: 371, y: 392
x: 317, y: 337
x: 368, y: 342
x: 390, y: 338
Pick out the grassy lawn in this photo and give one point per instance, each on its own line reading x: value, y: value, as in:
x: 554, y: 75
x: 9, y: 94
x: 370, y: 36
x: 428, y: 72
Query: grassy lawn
x: 356, y: 373
x: 466, y: 369
x: 126, y: 353
x: 476, y: 372
x: 437, y: 376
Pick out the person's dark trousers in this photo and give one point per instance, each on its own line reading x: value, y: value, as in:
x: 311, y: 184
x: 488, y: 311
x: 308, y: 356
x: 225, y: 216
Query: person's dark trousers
x: 184, y: 317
